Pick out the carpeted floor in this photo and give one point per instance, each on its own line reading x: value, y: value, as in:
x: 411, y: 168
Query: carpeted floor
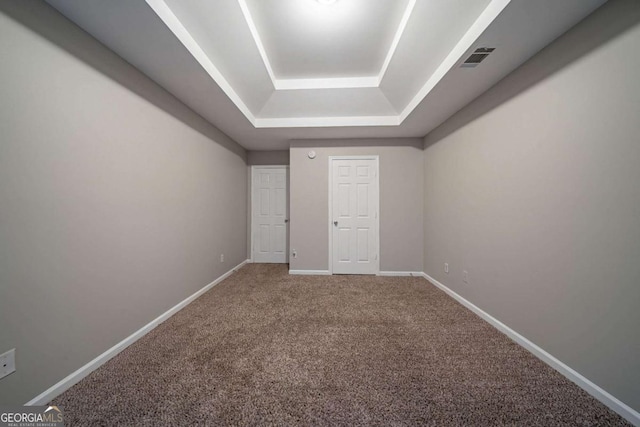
x: 266, y: 348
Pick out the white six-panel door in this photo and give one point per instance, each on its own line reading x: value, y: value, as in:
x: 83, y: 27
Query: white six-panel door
x: 269, y: 214
x: 354, y: 208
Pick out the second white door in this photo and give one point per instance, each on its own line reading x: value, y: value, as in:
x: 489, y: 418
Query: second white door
x: 270, y: 222
x: 354, y: 215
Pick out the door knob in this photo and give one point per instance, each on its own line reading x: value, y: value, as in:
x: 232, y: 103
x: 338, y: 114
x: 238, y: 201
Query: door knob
x: 335, y: 223
x: 286, y: 220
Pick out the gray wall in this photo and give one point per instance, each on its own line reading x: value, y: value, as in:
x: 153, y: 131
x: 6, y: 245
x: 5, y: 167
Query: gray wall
x: 401, y: 204
x: 268, y: 157
x: 534, y: 188
x: 116, y: 200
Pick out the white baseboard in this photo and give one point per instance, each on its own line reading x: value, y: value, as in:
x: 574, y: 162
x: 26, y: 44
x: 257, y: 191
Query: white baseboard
x: 380, y: 273
x: 400, y: 273
x: 75, y: 377
x: 310, y: 272
x: 593, y: 389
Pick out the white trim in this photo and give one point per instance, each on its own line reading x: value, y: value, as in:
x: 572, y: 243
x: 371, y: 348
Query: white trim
x: 594, y: 390
x: 377, y: 234
x: 310, y: 272
x: 301, y: 122
x: 327, y: 83
x: 253, y: 204
x: 75, y: 377
x: 488, y: 15
x: 401, y: 273
x: 256, y: 37
x: 173, y: 23
x: 396, y: 39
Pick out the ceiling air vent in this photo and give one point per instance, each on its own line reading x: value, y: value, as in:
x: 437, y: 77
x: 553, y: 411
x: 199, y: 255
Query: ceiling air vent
x: 477, y: 57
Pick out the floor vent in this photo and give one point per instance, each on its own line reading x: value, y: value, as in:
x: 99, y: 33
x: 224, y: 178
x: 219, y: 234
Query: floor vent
x: 477, y: 57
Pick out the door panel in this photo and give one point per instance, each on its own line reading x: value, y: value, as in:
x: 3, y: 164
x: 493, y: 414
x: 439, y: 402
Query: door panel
x: 264, y: 201
x: 263, y: 241
x: 363, y: 201
x: 269, y: 217
x: 344, y: 250
x: 279, y: 238
x: 354, y: 210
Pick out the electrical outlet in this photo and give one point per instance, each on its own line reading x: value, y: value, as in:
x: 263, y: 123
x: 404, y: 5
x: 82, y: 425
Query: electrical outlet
x: 465, y: 276
x: 7, y: 363
x: 446, y: 267
x: 221, y: 257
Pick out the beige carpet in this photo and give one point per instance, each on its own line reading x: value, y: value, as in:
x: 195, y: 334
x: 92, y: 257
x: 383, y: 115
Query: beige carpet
x: 266, y: 348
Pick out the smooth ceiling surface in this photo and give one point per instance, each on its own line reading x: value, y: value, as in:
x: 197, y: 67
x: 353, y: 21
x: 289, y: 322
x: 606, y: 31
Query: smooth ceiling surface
x: 307, y: 39
x: 222, y: 58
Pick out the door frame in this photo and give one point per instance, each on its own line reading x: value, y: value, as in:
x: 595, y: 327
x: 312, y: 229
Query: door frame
x: 376, y: 239
x: 252, y: 225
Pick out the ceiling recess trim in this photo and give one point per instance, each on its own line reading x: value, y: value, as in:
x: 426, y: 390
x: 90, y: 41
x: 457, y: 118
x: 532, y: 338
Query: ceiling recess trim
x: 489, y: 14
x: 326, y: 83
x: 305, y: 122
x: 173, y: 23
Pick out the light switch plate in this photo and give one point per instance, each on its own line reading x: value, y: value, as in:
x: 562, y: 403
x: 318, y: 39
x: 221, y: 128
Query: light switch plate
x: 7, y: 363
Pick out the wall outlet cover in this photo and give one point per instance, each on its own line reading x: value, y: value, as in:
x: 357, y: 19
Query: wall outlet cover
x: 7, y: 363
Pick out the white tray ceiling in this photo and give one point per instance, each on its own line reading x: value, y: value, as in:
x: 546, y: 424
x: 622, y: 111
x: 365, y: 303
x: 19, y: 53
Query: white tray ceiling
x: 269, y: 71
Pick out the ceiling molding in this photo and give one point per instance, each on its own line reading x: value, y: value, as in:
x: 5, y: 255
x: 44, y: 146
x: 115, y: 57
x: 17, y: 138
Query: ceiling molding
x: 326, y: 83
x: 173, y: 23
x: 305, y: 122
x: 396, y: 39
x: 488, y: 15
x: 246, y: 106
x: 256, y: 38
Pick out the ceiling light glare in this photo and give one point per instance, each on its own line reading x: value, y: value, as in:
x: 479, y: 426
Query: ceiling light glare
x: 326, y: 1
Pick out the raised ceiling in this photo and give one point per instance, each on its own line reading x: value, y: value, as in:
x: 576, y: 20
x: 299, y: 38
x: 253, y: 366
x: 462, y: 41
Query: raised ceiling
x: 269, y: 71
x: 308, y: 40
x: 300, y: 63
